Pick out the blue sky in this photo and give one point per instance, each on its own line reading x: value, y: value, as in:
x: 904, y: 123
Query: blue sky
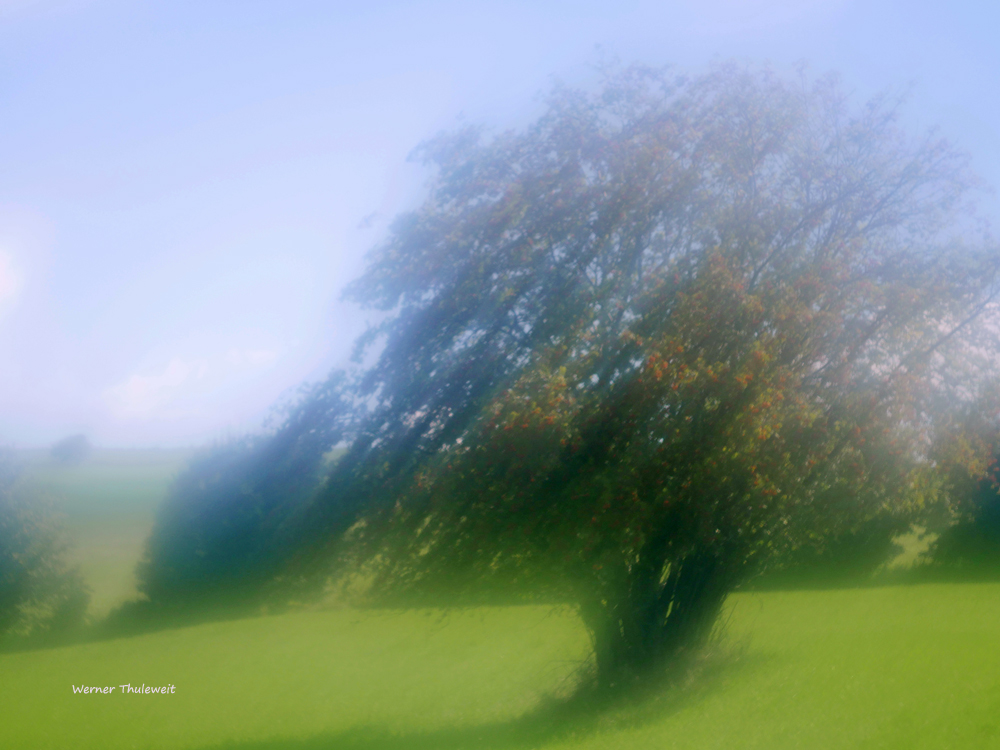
x: 186, y: 186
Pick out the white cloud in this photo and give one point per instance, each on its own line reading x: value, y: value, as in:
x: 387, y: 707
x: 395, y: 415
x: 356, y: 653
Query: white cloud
x: 147, y: 395
x: 187, y: 387
x: 252, y: 357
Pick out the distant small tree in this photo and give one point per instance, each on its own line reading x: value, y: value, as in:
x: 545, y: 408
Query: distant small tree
x: 972, y: 545
x: 969, y: 540
x: 71, y: 450
x: 39, y: 592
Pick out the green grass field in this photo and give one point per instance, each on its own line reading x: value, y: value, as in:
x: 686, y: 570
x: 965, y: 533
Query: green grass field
x: 892, y: 667
x: 904, y: 667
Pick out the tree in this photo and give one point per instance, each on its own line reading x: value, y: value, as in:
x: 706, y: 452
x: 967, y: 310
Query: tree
x: 39, y: 592
x: 72, y: 450
x: 659, y: 338
x: 219, y: 537
x: 969, y: 539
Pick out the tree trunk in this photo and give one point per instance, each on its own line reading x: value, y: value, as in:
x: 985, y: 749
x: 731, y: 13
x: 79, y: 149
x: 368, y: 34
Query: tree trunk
x: 655, y: 616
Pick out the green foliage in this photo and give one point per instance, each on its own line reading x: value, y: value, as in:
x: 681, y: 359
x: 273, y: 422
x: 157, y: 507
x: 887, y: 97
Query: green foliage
x: 967, y: 527
x: 219, y: 536
x: 972, y: 544
x: 39, y: 593
x: 852, y: 557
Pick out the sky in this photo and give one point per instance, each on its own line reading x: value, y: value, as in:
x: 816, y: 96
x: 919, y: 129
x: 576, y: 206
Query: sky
x: 185, y: 187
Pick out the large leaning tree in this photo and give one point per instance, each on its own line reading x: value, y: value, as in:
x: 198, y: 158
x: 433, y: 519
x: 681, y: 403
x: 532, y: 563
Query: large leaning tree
x: 636, y: 351
x: 668, y: 331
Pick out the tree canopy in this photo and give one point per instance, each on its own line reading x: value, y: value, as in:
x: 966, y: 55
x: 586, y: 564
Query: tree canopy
x: 637, y: 350
x: 40, y: 593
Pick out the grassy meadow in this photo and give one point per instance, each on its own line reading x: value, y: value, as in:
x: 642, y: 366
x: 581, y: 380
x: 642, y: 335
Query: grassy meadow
x: 106, y: 505
x: 891, y: 667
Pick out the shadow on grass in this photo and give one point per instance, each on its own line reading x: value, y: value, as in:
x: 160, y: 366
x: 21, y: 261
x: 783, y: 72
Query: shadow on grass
x: 576, y: 718
x: 917, y: 575
x: 108, y: 630
x: 139, y: 618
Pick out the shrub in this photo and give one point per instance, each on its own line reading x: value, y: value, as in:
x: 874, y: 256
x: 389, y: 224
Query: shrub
x: 39, y: 592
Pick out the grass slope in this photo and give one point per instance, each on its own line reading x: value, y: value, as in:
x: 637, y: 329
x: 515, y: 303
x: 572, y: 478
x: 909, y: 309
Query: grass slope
x: 108, y: 503
x: 902, y: 667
